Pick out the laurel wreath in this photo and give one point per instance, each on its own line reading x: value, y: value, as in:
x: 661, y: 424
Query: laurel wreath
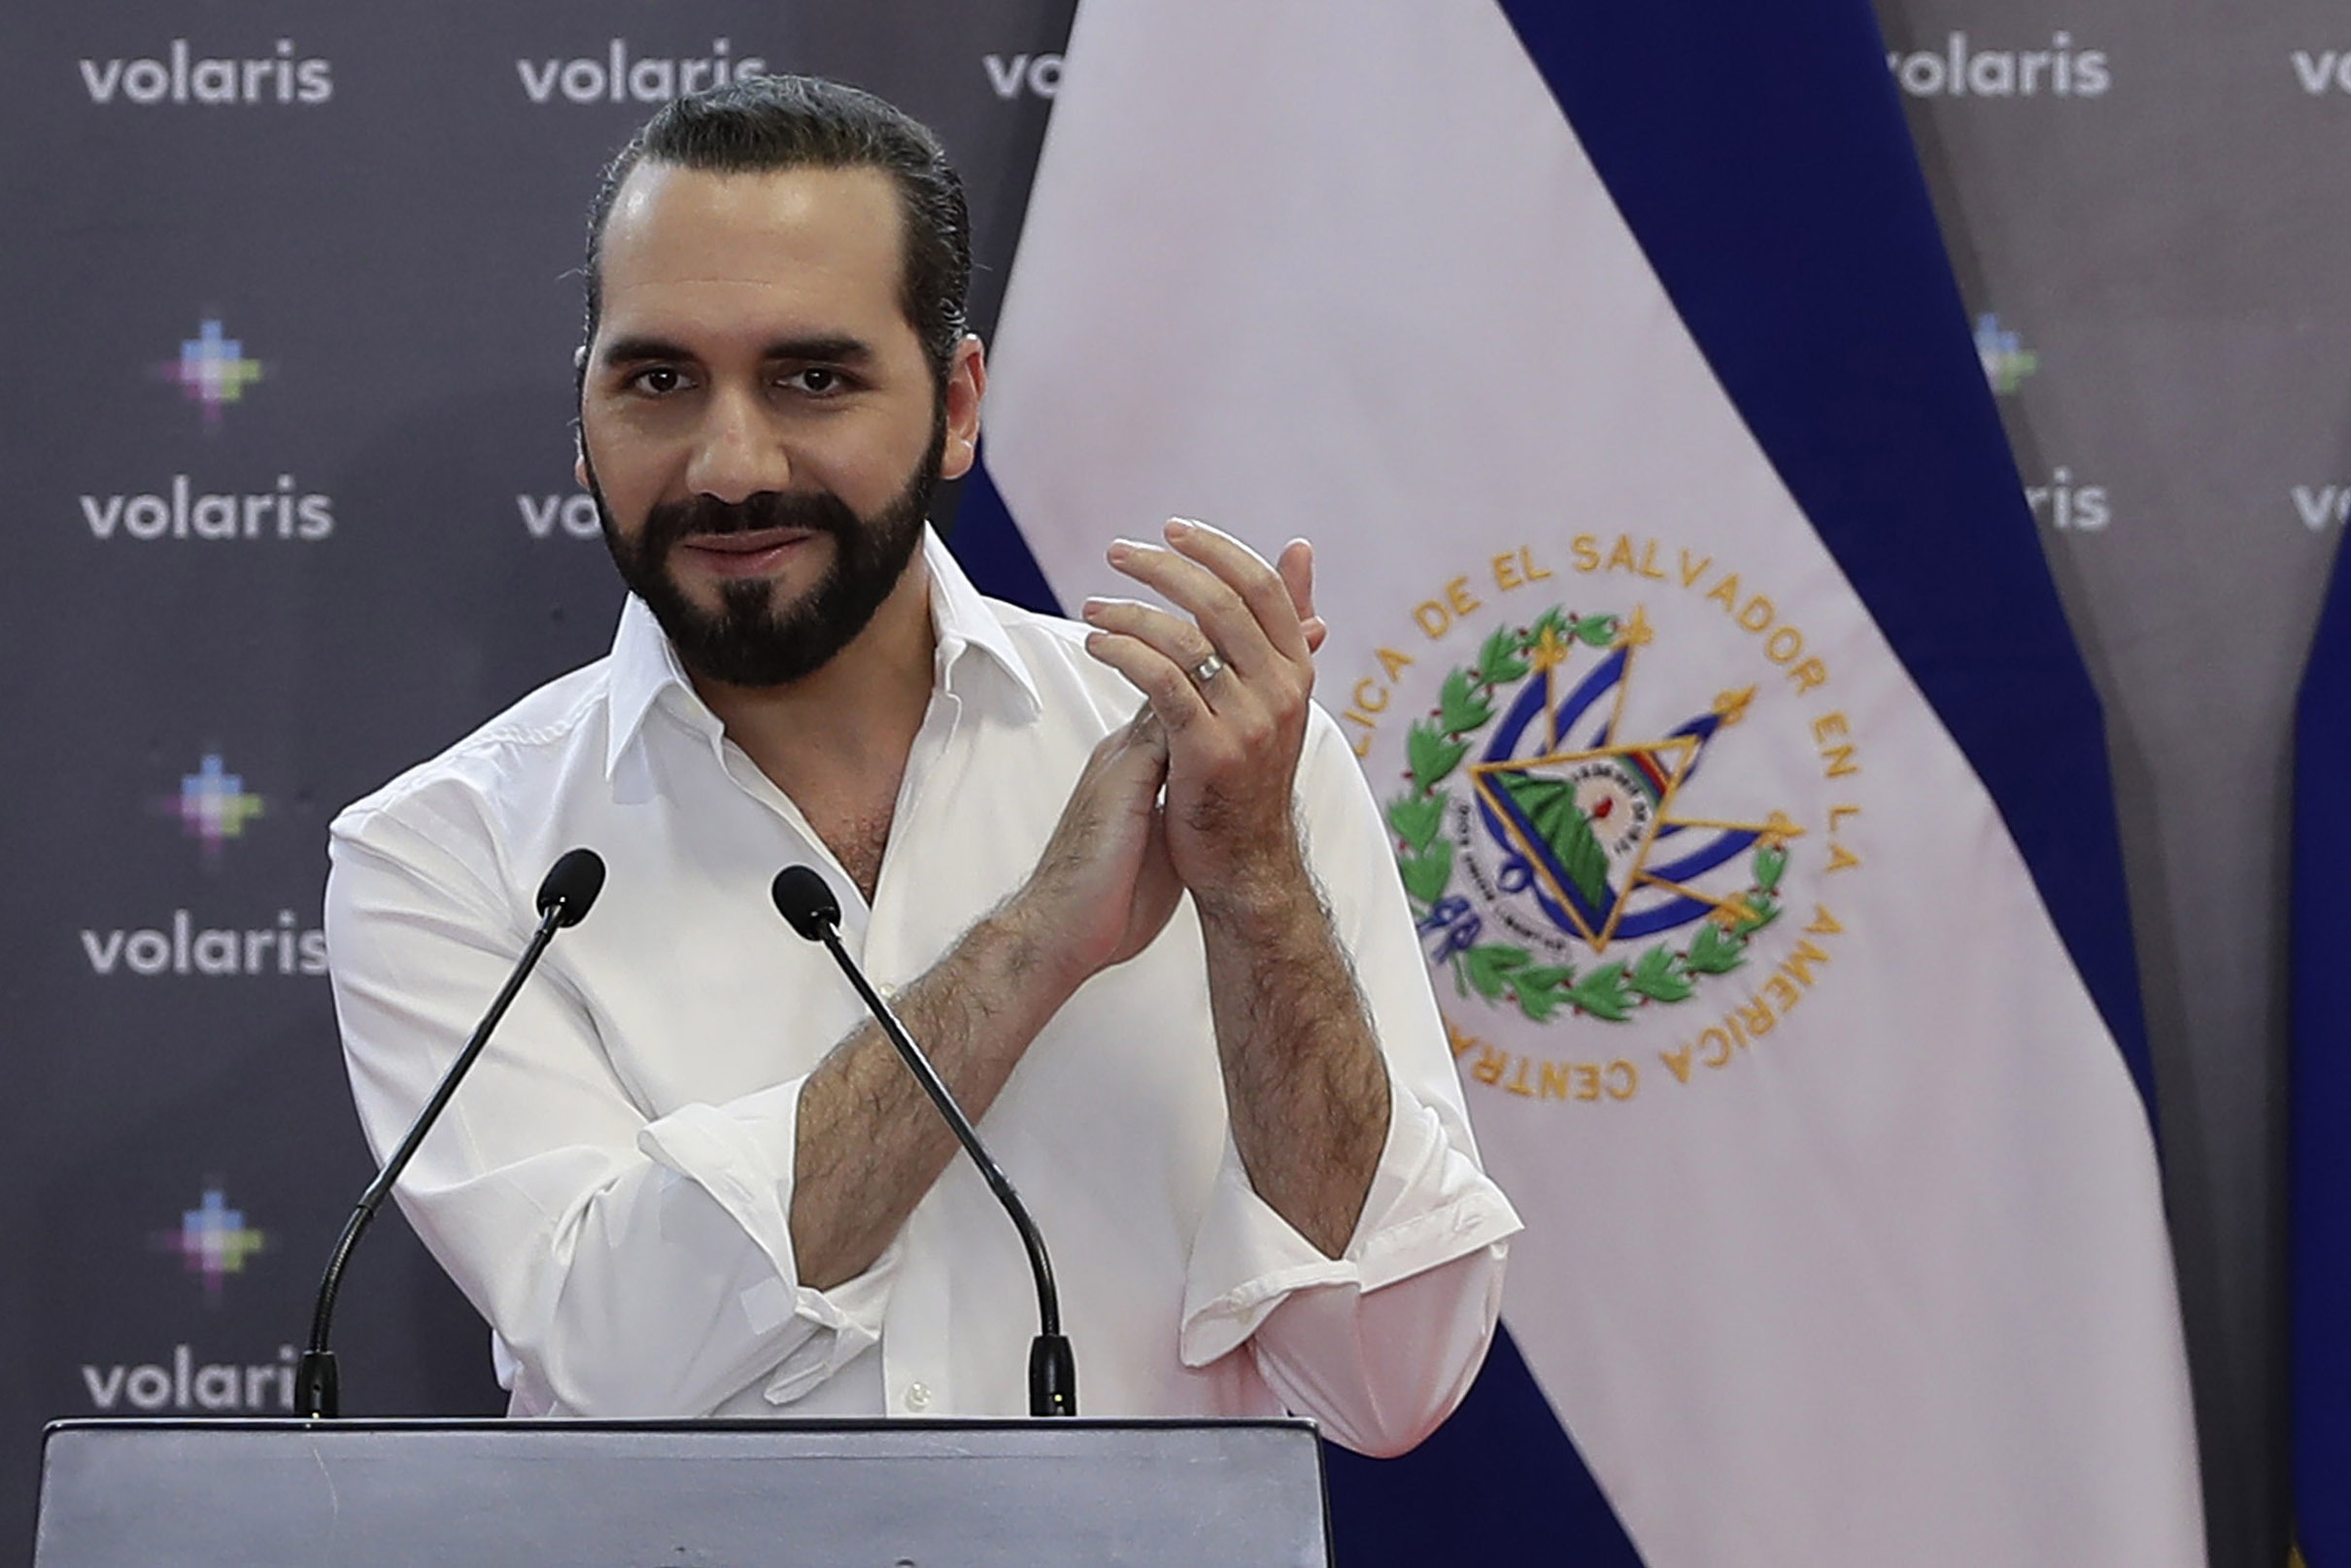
x: 1498, y: 971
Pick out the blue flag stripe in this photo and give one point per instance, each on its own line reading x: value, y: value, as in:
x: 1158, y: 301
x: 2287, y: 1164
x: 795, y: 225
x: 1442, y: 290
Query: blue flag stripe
x: 1760, y: 155
x: 1499, y: 1483
x: 2322, y: 1091
x: 990, y: 549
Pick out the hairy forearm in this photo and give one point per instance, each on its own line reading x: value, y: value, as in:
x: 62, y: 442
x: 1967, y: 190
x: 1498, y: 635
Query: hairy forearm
x: 870, y: 1144
x: 1307, y: 1091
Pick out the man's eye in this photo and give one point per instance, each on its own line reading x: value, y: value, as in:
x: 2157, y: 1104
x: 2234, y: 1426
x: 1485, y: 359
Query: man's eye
x: 659, y: 379
x: 820, y: 381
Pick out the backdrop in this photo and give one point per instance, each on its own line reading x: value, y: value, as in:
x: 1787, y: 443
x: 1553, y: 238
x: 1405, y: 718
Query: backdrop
x: 291, y: 453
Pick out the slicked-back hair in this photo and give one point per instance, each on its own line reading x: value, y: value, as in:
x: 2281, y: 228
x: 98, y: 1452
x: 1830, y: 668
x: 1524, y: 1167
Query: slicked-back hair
x: 761, y: 123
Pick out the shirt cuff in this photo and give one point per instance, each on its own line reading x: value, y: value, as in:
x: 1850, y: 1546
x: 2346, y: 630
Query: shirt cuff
x: 1428, y: 1205
x: 742, y: 1154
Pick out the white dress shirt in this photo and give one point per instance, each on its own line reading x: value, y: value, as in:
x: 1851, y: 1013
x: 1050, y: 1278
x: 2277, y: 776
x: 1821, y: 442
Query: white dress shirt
x: 612, y: 1186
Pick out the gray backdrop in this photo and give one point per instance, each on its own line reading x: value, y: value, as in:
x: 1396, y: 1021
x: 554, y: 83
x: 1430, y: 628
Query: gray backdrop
x: 259, y: 580
x: 2166, y: 243
x: 385, y: 221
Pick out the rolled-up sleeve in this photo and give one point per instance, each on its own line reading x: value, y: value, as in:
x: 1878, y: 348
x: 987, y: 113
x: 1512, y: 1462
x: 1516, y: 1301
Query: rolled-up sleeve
x: 1381, y: 1342
x: 628, y: 1265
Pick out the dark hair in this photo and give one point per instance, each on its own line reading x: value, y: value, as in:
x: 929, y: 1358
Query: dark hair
x: 759, y: 124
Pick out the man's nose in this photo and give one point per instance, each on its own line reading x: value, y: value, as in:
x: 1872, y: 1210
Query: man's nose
x: 737, y: 453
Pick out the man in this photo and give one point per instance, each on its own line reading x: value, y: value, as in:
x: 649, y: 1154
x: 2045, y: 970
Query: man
x: 689, y: 1177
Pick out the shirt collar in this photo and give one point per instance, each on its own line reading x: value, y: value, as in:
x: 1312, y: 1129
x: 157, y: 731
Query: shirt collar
x: 644, y: 665
x: 966, y: 624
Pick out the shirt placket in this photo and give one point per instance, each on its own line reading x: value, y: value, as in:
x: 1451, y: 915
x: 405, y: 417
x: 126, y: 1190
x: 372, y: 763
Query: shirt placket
x: 917, y: 1327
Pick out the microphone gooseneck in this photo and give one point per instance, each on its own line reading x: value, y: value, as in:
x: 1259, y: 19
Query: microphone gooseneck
x: 570, y: 887
x: 808, y: 908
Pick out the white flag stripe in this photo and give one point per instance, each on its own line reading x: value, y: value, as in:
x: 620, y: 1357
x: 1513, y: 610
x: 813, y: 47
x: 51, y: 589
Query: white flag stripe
x: 1895, y: 1281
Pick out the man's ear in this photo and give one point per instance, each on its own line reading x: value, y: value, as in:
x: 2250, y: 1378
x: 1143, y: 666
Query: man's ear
x: 579, y: 398
x: 967, y: 384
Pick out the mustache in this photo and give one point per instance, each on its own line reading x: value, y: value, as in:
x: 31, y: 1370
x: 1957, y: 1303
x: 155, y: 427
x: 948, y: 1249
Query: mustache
x: 820, y: 512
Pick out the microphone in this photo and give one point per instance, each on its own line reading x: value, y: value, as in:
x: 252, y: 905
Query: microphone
x: 563, y: 899
x: 809, y: 907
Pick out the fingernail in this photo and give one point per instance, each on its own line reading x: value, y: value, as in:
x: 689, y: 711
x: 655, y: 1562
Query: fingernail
x: 1121, y: 549
x: 1090, y: 608
x: 1179, y: 526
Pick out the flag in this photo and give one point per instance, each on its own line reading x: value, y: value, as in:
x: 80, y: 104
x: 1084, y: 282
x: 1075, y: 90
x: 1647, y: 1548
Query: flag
x: 2320, y: 1202
x: 1690, y: 622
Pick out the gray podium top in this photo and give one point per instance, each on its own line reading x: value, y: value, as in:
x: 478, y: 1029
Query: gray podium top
x: 602, y: 1494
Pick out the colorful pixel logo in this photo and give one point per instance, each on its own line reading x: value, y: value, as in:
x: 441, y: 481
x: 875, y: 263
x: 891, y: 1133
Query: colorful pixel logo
x: 212, y: 369
x: 213, y: 1240
x: 2007, y: 363
x: 213, y: 805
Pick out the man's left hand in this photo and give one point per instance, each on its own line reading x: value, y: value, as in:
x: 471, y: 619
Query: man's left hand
x: 1230, y: 687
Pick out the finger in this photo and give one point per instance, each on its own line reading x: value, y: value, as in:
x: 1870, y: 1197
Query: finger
x: 1180, y: 642
x: 1230, y: 625
x: 1141, y: 760
x: 1168, y: 690
x: 1141, y: 739
x: 1297, y: 569
x: 1269, y: 596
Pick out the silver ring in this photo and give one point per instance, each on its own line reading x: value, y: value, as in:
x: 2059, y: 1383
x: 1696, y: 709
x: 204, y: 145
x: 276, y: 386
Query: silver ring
x: 1208, y: 670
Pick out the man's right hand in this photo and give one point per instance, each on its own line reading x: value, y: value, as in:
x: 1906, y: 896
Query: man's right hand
x: 1104, y: 887
x: 870, y: 1144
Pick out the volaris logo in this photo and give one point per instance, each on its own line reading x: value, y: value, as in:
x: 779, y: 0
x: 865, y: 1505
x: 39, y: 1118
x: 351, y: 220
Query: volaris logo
x: 1012, y: 75
x: 182, y: 1381
x: 213, y: 1240
x: 212, y: 369
x: 619, y: 77
x: 2068, y: 505
x: 181, y: 511
x: 2323, y: 71
x: 548, y: 517
x: 213, y: 804
x: 181, y: 76
x: 1962, y: 68
x: 180, y: 946
x: 2323, y: 506
x: 2007, y: 363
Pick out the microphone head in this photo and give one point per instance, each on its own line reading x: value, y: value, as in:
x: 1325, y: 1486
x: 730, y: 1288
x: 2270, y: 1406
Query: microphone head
x: 571, y: 886
x: 805, y: 902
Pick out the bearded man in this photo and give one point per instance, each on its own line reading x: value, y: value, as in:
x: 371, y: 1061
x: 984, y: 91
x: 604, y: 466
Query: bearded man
x: 1123, y: 879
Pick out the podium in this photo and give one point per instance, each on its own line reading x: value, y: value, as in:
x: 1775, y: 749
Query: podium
x: 681, y: 1495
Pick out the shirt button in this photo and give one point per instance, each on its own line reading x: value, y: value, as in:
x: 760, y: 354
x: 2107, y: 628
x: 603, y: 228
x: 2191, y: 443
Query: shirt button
x: 918, y: 1396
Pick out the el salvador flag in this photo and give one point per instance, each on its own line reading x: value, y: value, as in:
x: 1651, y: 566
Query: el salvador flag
x: 1688, y: 621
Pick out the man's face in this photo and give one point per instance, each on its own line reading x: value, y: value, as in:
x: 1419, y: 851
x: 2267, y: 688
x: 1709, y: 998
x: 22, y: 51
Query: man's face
x: 757, y: 420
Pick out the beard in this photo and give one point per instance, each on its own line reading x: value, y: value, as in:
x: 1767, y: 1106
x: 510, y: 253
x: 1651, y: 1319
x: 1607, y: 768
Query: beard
x: 750, y: 639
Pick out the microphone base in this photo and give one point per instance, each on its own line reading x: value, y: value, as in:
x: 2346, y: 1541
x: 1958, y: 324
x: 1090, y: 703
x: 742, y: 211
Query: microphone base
x: 317, y: 1387
x: 1052, y: 1376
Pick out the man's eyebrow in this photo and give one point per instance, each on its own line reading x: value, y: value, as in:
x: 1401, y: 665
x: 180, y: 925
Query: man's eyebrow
x: 638, y: 349
x: 836, y: 349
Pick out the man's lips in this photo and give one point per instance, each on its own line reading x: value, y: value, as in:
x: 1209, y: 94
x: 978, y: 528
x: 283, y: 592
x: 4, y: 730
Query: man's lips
x: 743, y: 555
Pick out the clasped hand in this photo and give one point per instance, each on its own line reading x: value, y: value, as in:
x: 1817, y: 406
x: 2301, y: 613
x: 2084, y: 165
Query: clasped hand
x: 1194, y: 794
